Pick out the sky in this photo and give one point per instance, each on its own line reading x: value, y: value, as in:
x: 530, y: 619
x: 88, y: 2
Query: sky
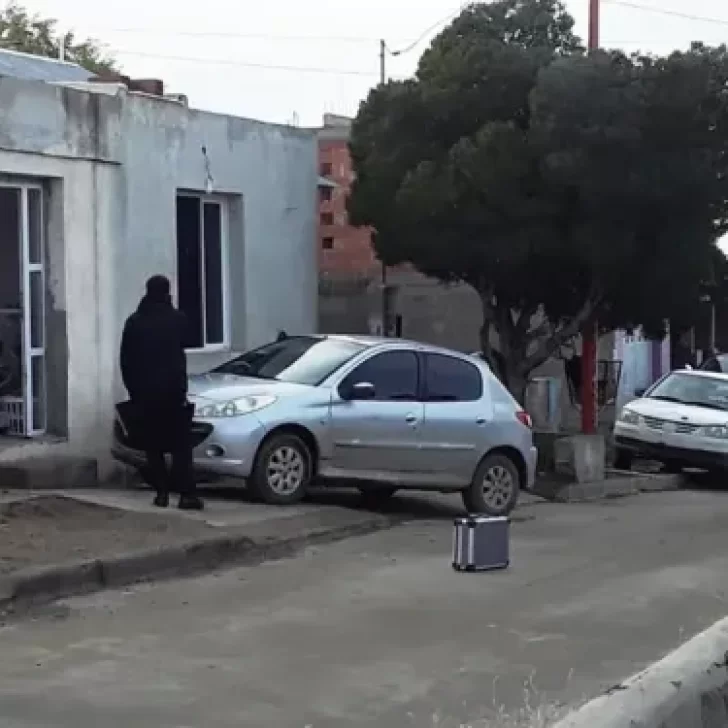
x: 291, y: 61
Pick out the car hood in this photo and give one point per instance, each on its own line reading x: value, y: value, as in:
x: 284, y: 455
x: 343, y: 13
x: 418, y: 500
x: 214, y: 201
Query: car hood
x: 675, y: 412
x: 224, y: 387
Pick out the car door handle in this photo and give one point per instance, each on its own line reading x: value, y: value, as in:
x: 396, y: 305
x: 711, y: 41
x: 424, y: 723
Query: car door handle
x: 411, y: 419
x: 480, y: 420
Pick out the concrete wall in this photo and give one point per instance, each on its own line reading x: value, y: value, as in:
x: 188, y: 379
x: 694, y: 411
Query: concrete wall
x: 687, y: 689
x: 267, y: 174
x: 112, y: 163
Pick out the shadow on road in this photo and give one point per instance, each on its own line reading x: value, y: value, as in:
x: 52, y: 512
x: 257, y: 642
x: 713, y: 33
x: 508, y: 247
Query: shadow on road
x: 706, y: 481
x: 415, y: 505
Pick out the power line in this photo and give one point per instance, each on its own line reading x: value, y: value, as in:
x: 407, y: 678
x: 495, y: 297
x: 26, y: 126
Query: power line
x: 429, y: 30
x: 665, y: 11
x: 245, y: 64
x: 243, y: 36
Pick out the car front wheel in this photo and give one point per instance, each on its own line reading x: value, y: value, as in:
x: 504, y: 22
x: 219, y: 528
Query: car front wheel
x: 495, y: 487
x: 282, y: 471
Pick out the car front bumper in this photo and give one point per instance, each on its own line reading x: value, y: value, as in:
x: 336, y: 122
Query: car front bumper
x: 222, y: 447
x: 671, y: 447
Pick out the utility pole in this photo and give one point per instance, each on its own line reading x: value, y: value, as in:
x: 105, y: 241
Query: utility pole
x: 385, y: 292
x: 589, y: 334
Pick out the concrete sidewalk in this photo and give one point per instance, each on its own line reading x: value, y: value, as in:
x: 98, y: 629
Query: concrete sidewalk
x: 379, y: 631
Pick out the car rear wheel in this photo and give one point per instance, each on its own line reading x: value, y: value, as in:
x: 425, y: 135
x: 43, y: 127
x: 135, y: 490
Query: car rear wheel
x: 622, y: 459
x: 495, y: 487
x: 282, y: 471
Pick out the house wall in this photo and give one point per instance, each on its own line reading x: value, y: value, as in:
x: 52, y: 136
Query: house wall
x: 267, y: 174
x: 111, y: 163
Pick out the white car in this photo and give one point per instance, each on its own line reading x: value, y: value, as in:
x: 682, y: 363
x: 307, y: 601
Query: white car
x: 681, y: 421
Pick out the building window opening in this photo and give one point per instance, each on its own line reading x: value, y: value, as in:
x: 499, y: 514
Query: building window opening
x: 201, y: 269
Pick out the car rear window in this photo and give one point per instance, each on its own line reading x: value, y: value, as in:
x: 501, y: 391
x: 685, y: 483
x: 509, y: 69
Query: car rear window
x: 448, y: 379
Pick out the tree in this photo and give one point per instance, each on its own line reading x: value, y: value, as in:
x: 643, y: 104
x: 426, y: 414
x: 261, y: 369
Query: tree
x: 562, y: 187
x: 20, y: 31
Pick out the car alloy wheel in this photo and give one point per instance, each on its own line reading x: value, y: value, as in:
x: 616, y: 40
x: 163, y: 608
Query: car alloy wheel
x: 282, y: 470
x: 285, y: 470
x: 497, y: 487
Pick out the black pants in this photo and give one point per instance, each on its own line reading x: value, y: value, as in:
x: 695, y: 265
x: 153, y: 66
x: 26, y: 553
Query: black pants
x: 178, y: 479
x: 168, y: 431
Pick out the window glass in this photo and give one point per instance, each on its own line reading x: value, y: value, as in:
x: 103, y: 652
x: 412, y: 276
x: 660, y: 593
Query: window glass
x: 448, y: 379
x: 693, y: 389
x: 393, y: 374
x: 298, y: 359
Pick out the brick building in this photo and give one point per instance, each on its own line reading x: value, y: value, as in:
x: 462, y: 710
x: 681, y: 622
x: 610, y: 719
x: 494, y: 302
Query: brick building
x: 343, y: 250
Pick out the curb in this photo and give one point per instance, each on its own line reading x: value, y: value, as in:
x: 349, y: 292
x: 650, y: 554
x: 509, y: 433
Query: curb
x: 687, y: 688
x: 616, y: 484
x: 39, y: 585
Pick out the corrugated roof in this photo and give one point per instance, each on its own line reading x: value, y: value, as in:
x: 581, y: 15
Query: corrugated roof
x: 37, y: 68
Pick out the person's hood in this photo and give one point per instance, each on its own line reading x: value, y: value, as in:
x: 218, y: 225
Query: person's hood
x: 225, y: 387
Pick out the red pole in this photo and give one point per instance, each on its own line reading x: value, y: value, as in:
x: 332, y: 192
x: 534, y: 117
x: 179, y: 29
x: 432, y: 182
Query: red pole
x: 589, y: 331
x: 593, y: 25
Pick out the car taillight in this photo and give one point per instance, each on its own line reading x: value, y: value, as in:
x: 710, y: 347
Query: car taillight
x: 524, y: 418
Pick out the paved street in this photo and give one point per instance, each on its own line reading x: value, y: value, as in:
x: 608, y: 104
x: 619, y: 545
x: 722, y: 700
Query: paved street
x: 380, y: 631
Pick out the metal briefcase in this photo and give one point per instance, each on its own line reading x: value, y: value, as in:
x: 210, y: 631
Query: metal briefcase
x: 481, y: 543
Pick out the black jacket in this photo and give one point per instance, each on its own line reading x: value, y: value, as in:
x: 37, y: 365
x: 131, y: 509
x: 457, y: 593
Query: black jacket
x: 153, y: 361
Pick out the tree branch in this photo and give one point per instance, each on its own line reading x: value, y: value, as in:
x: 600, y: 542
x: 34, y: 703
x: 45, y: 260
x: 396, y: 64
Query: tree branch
x: 551, y: 344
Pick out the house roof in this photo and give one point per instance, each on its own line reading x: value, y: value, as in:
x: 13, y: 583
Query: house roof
x: 37, y: 68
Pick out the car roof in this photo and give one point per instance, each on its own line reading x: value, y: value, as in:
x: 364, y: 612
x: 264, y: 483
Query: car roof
x: 383, y: 341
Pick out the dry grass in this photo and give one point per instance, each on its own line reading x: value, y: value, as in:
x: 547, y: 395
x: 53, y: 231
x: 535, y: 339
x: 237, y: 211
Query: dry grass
x: 537, y: 711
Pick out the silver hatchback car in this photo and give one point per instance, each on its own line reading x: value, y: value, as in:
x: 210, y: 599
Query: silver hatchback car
x: 380, y: 414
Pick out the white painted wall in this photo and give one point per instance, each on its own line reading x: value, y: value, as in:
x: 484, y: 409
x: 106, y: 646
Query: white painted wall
x: 119, y: 160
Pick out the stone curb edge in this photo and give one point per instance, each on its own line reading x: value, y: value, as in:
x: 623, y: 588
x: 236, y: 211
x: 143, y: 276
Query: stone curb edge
x: 686, y: 688
x: 41, y: 585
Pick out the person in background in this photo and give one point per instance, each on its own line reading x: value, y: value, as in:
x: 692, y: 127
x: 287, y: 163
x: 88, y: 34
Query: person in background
x: 154, y: 371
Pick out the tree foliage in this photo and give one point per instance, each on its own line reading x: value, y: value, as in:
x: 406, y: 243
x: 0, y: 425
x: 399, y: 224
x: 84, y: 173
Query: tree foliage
x: 21, y: 31
x: 562, y: 186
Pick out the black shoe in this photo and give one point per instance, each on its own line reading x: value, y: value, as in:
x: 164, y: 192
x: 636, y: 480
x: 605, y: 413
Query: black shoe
x: 191, y: 503
x: 162, y: 500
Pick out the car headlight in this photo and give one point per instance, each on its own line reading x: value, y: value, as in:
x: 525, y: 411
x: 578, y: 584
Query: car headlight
x: 719, y: 432
x: 629, y: 417
x: 234, y: 407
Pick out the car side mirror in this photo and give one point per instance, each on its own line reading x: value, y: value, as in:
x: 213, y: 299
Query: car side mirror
x: 640, y: 392
x: 361, y: 391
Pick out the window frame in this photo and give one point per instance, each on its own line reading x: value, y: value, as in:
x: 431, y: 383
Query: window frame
x: 223, y: 204
x: 375, y: 354
x: 327, y: 219
x: 326, y: 194
x: 325, y: 239
x: 426, y: 355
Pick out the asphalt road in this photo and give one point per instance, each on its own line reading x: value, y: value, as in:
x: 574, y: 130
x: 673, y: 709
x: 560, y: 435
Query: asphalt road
x: 380, y: 631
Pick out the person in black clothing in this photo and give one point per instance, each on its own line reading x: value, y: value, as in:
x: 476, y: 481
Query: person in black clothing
x: 154, y: 371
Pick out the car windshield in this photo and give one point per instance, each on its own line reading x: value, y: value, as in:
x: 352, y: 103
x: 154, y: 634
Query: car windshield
x: 701, y: 391
x: 298, y: 359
